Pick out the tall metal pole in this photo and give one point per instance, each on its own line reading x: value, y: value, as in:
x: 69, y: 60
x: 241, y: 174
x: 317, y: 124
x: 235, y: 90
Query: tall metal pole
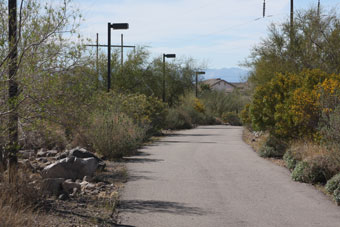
x: 196, y: 91
x: 291, y: 19
x: 163, y: 95
x: 264, y: 8
x: 97, y: 55
x: 108, y: 57
x: 319, y: 8
x: 122, y: 50
x: 12, y: 89
x: 122, y: 54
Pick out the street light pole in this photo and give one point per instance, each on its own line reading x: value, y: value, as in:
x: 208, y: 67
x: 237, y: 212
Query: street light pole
x: 163, y: 82
x: 165, y: 56
x: 108, y: 56
x: 115, y: 26
x: 196, y: 85
x: 97, y: 57
x: 122, y: 50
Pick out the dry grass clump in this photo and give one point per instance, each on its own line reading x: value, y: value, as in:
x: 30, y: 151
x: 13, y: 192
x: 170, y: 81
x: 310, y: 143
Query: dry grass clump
x: 308, y: 150
x: 19, y: 201
x: 311, y: 162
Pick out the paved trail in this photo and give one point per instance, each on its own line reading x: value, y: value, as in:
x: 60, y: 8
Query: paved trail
x: 209, y: 177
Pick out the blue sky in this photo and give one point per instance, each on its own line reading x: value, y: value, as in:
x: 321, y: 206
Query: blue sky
x: 217, y: 33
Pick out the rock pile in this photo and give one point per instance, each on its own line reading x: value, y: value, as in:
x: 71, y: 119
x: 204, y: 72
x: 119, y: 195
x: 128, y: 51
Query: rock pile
x: 66, y: 174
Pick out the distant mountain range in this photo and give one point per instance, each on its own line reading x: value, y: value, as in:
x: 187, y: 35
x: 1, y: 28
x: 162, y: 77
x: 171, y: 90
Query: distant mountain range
x: 228, y: 74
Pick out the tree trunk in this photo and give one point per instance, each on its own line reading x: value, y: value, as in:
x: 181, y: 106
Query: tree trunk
x: 13, y: 89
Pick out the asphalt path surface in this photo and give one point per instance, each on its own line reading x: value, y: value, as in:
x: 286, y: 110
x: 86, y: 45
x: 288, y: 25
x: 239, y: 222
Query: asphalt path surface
x: 209, y: 177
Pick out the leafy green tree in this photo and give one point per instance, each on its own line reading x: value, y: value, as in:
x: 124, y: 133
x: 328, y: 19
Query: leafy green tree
x: 44, y: 53
x: 315, y: 46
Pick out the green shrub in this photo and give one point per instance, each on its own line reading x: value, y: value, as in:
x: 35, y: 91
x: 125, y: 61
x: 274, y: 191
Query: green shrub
x: 290, y: 160
x: 189, y: 113
x: 336, y: 196
x: 113, y: 134
x: 177, y: 119
x: 232, y: 118
x: 316, y: 170
x: 321, y: 169
x: 333, y: 183
x: 330, y: 125
x: 273, y: 148
x: 219, y: 102
x: 300, y: 172
x: 147, y: 111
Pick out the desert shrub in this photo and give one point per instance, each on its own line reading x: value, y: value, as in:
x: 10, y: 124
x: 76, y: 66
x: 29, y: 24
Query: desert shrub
x: 43, y: 134
x: 218, y: 102
x: 198, y: 106
x: 300, y: 172
x: 113, y: 134
x: 231, y: 118
x: 315, y: 170
x: 178, y: 119
x: 189, y: 113
x: 336, y: 196
x: 330, y: 127
x: 147, y: 111
x: 290, y: 160
x: 333, y: 183
x: 273, y: 148
x: 289, y: 105
x: 245, y: 116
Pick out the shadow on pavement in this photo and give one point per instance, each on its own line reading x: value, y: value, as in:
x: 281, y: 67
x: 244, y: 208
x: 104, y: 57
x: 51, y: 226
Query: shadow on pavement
x: 138, y: 177
x: 119, y: 225
x: 179, y: 141
x: 155, y: 206
x: 221, y: 128
x: 177, y: 134
x: 141, y: 160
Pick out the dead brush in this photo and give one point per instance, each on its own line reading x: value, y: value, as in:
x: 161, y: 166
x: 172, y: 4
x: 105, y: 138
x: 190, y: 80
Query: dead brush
x: 321, y: 160
x: 307, y: 150
x: 19, y: 201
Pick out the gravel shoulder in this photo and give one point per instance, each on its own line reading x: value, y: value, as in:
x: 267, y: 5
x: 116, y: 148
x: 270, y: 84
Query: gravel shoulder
x: 209, y: 177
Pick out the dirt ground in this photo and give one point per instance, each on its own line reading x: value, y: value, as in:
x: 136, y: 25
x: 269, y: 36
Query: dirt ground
x: 87, y: 210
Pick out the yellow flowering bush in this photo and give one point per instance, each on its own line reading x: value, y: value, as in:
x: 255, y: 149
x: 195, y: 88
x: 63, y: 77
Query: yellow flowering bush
x: 291, y: 105
x: 198, y: 106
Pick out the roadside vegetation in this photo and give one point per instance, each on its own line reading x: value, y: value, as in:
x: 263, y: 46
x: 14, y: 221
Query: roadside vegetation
x: 62, y: 101
x: 295, y: 97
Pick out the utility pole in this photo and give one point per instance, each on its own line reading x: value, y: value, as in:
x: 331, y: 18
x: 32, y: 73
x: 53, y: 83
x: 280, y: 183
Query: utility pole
x: 318, y: 8
x: 12, y: 89
x: 97, y: 45
x: 264, y: 8
x: 291, y: 20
